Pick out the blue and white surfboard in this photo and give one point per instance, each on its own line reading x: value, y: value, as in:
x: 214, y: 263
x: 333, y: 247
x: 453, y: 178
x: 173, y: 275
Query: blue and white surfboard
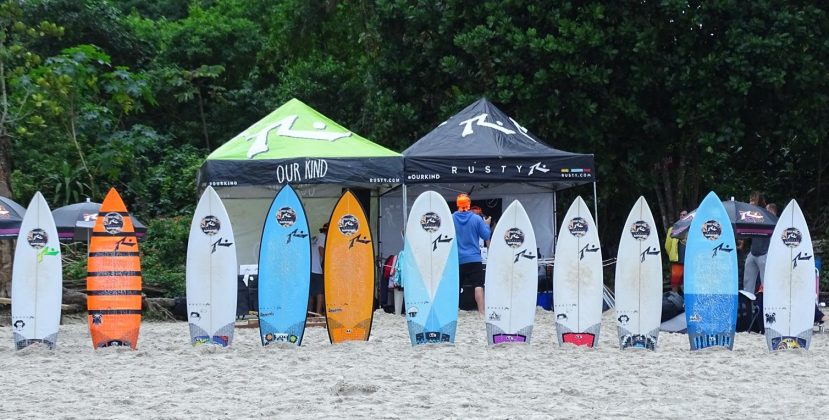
x: 430, y: 271
x: 284, y: 271
x: 711, y: 277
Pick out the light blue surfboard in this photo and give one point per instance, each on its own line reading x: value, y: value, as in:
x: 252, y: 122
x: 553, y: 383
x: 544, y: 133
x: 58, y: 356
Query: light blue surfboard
x: 284, y: 271
x: 430, y: 271
x: 711, y: 277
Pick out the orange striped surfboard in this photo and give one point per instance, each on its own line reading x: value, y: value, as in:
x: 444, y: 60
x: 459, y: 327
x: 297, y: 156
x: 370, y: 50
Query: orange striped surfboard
x: 349, y: 272
x: 113, y: 279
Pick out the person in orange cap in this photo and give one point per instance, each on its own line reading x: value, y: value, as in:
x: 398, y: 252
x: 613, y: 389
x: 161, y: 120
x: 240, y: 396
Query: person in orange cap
x: 470, y: 228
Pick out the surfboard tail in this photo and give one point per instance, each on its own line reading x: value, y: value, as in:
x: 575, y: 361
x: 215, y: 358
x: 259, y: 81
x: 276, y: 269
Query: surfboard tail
x: 358, y: 332
x: 223, y: 336
x: 701, y: 341
x: 423, y: 335
x: 292, y: 335
x: 777, y: 341
x: 495, y: 335
x: 22, y: 342
x: 587, y: 338
x: 101, y: 339
x: 629, y: 340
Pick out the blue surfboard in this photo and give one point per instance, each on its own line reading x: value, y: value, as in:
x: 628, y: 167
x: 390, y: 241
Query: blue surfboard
x: 284, y: 271
x: 711, y: 277
x: 430, y: 271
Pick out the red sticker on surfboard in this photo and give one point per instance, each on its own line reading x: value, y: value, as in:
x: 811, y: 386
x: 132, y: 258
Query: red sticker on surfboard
x: 579, y: 339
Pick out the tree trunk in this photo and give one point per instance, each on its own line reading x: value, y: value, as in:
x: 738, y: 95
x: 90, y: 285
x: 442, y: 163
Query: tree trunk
x: 6, y: 257
x: 5, y: 166
x: 696, y: 177
x: 203, y: 120
x: 6, y: 246
x: 74, y: 297
x: 660, y: 200
x: 680, y: 185
x: 819, y: 181
x: 667, y: 184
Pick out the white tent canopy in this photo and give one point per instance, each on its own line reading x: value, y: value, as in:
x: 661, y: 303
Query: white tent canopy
x: 537, y: 200
x: 247, y: 207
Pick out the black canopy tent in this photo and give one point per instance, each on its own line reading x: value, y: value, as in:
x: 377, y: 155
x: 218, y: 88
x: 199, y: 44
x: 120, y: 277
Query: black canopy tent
x: 483, y: 145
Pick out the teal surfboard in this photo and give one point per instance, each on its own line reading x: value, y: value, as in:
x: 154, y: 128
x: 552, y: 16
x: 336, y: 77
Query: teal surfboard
x: 284, y: 271
x: 711, y: 277
x: 430, y: 271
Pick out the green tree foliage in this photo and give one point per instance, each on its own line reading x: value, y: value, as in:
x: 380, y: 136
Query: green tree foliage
x: 95, y: 22
x: 204, y: 72
x: 16, y: 60
x: 78, y: 103
x: 163, y: 251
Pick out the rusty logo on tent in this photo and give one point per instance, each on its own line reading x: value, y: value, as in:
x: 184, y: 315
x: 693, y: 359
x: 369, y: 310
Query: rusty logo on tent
x: 430, y: 222
x: 640, y: 230
x: 348, y: 225
x: 752, y: 216
x: 210, y: 225
x: 286, y: 217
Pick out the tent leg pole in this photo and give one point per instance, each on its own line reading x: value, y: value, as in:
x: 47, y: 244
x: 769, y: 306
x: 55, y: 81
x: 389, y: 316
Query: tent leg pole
x: 595, y: 206
x: 555, y: 223
x: 405, y: 206
x: 378, y: 260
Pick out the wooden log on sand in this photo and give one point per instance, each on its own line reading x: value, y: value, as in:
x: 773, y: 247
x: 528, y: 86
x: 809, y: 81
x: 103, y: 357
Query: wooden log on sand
x: 74, y: 297
x: 158, y: 308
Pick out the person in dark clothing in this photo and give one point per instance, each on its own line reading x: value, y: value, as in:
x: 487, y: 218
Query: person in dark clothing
x: 755, y: 264
x: 820, y: 318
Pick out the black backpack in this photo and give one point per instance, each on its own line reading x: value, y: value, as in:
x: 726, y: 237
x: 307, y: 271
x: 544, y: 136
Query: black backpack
x: 750, y: 313
x: 672, y: 305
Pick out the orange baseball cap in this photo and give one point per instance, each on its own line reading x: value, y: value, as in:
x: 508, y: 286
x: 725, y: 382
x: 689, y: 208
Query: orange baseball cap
x: 463, y: 201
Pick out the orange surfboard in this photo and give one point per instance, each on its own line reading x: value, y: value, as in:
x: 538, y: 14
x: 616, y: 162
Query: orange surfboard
x: 349, y: 272
x: 113, y: 279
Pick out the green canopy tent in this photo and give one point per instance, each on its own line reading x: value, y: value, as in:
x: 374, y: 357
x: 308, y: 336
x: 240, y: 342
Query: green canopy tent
x: 295, y: 144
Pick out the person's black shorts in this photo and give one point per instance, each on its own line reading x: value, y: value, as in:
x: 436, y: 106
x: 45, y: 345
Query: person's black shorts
x: 316, y: 284
x: 472, y: 274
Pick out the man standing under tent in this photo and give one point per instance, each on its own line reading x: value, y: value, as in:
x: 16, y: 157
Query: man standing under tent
x: 315, y: 301
x: 469, y: 229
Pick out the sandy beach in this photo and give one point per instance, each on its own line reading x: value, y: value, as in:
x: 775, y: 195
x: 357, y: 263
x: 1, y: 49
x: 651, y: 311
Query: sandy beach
x: 387, y: 378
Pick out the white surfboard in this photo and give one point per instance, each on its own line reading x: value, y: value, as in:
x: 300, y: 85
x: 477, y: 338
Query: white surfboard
x: 577, y: 278
x: 789, y: 289
x: 430, y: 271
x: 211, y: 273
x: 511, y: 278
x: 37, y: 279
x: 639, y: 280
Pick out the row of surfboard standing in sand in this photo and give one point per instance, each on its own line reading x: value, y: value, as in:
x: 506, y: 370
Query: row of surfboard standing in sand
x: 429, y: 270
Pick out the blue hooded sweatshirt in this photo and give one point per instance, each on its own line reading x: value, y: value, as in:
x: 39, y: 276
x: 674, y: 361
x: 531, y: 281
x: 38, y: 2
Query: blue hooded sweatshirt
x: 469, y: 228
